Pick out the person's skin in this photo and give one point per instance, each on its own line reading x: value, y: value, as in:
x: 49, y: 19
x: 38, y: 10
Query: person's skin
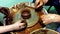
x: 49, y: 18
x: 39, y: 3
x: 16, y: 26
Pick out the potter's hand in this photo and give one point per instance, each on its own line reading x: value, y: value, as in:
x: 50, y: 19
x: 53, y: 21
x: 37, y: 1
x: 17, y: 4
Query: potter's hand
x: 39, y: 3
x: 18, y: 25
x: 49, y: 18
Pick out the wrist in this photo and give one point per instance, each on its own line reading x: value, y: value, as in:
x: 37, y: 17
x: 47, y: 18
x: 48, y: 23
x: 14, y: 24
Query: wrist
x: 15, y: 27
x: 56, y: 18
x: 18, y: 27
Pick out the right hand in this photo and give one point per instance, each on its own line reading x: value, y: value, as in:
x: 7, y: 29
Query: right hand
x: 39, y: 3
x: 49, y: 18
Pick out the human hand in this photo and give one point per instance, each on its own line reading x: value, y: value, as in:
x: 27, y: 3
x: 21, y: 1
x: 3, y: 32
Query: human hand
x: 49, y: 18
x: 38, y: 3
x: 18, y: 25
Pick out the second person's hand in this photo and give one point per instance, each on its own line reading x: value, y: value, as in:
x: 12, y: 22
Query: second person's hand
x: 49, y: 18
x: 38, y: 3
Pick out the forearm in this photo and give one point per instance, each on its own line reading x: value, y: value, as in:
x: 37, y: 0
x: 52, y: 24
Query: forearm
x: 18, y: 25
x: 6, y: 28
x: 54, y: 17
x: 57, y: 19
x: 49, y: 18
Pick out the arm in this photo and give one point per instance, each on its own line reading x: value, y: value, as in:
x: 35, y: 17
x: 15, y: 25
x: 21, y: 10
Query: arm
x: 12, y: 27
x: 6, y: 28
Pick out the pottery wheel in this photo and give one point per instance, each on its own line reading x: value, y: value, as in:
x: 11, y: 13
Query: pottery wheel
x: 18, y: 9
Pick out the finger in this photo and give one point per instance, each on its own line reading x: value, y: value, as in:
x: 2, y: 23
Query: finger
x: 22, y: 24
x: 18, y: 21
x: 46, y: 22
x: 36, y: 2
x: 43, y: 16
x: 40, y: 4
x: 19, y: 26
